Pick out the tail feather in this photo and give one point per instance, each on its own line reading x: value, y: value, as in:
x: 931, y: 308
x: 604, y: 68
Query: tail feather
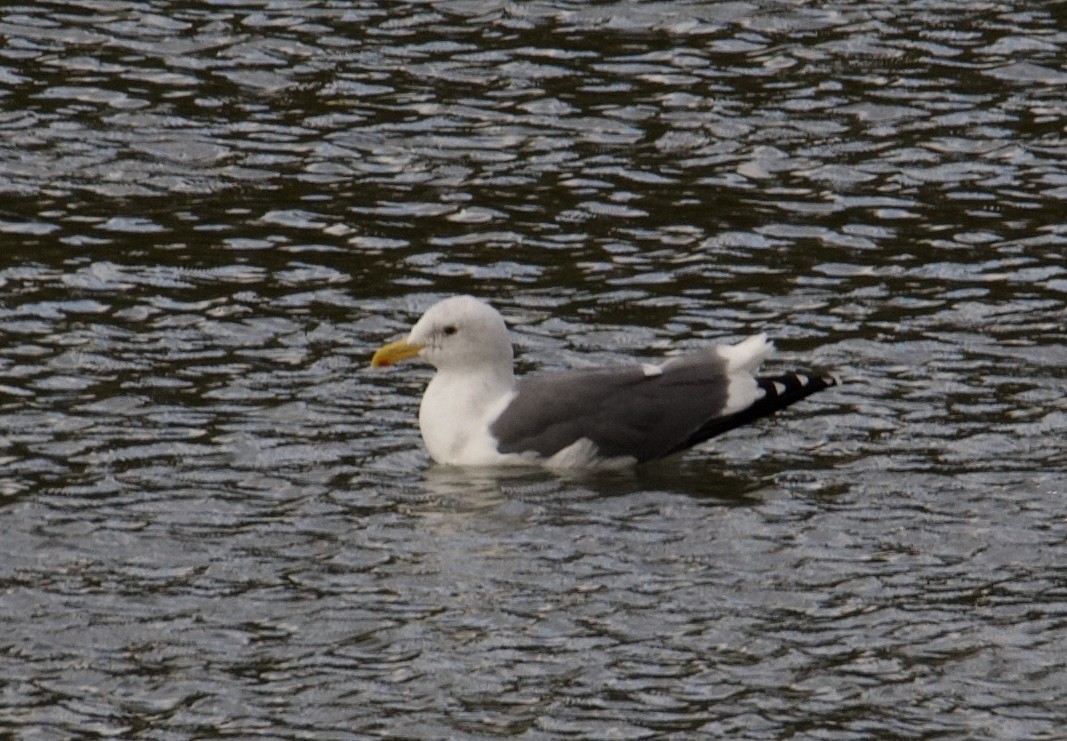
x: 779, y: 392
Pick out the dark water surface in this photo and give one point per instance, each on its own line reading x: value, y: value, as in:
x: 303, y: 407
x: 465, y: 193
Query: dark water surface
x: 215, y: 521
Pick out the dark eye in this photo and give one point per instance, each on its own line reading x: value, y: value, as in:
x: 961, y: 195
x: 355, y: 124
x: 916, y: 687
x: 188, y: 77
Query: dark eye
x: 450, y: 329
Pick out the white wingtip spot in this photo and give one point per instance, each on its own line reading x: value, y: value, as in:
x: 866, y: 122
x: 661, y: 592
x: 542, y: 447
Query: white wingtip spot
x: 651, y: 370
x: 779, y: 388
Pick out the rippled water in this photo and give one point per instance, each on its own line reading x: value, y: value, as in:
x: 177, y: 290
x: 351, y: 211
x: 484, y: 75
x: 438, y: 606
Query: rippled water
x: 215, y: 521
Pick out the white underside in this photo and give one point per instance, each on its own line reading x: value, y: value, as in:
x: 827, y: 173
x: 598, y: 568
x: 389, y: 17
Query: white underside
x: 454, y: 419
x: 582, y: 453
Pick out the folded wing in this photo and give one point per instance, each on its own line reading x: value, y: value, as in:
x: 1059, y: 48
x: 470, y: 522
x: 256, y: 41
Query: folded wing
x: 642, y: 412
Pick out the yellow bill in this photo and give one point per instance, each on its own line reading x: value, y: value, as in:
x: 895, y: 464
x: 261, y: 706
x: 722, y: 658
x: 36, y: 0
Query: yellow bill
x: 394, y: 352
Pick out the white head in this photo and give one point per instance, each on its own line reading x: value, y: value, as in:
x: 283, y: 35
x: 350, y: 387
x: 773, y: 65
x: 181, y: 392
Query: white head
x: 459, y: 332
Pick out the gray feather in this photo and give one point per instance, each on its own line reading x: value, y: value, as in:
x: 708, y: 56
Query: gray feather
x: 623, y: 411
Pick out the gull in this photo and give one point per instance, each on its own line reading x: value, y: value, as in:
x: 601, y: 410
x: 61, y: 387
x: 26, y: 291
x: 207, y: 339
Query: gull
x: 476, y: 412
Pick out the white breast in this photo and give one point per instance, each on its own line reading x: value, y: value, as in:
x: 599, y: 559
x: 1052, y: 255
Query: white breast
x: 454, y: 419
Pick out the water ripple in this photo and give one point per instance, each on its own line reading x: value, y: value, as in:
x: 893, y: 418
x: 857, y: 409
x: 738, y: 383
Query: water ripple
x: 217, y: 521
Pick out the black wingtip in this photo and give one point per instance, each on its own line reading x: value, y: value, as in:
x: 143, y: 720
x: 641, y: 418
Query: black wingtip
x: 786, y: 389
x: 779, y: 392
x: 782, y: 391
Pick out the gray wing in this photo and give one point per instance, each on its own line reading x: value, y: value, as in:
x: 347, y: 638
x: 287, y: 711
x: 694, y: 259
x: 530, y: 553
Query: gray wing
x: 623, y: 411
x: 627, y: 412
